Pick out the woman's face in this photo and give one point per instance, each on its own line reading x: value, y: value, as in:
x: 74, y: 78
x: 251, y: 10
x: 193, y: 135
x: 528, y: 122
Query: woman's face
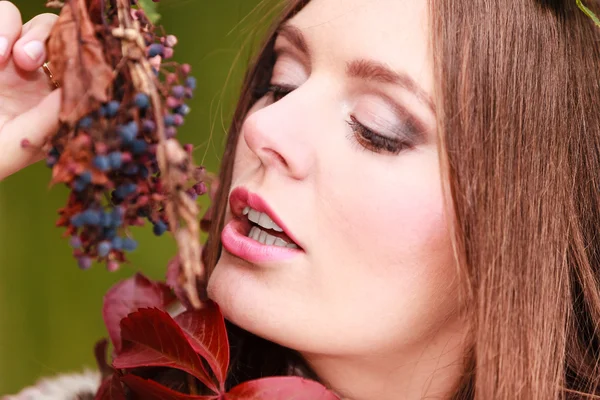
x: 347, y: 164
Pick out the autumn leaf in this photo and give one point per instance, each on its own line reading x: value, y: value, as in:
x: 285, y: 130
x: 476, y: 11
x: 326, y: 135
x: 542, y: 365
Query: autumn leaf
x: 151, y: 338
x: 191, y: 342
x: 206, y: 332
x: 281, y: 388
x: 78, y: 64
x: 128, y: 296
x: 151, y: 390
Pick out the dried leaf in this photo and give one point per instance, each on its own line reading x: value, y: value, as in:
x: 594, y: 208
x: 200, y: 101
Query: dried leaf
x: 174, y: 164
x: 190, y: 251
x: 206, y: 332
x: 78, y: 63
x: 128, y: 296
x: 151, y: 390
x: 176, y: 281
x: 281, y: 388
x: 151, y: 338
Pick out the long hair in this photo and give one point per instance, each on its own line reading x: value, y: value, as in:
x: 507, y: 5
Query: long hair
x: 518, y: 108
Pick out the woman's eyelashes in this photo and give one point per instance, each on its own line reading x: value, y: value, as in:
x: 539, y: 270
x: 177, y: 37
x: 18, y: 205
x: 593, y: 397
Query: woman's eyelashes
x: 278, y: 92
x: 365, y: 137
x: 375, y: 142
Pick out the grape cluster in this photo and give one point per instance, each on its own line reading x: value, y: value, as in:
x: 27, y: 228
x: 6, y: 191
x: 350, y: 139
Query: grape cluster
x: 109, y: 160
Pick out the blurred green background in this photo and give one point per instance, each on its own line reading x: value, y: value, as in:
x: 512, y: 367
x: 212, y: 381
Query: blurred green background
x: 50, y: 311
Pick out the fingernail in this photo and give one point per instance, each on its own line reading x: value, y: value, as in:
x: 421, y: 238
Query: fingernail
x: 3, y: 46
x: 34, y: 49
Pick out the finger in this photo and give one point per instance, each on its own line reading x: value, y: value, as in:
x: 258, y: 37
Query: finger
x: 35, y: 125
x: 29, y: 52
x: 10, y: 28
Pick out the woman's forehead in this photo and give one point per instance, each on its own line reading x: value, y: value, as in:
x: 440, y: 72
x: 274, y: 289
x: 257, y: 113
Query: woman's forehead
x: 391, y: 32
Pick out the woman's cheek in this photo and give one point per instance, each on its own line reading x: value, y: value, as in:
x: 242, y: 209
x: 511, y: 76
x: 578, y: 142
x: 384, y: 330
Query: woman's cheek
x: 394, y: 216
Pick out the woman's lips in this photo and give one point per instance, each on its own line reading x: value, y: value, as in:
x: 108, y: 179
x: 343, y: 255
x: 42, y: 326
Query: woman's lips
x: 236, y: 242
x: 235, y: 234
x: 240, y: 198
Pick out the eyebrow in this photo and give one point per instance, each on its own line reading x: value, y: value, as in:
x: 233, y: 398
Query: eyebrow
x: 368, y: 70
x: 374, y: 71
x: 295, y: 36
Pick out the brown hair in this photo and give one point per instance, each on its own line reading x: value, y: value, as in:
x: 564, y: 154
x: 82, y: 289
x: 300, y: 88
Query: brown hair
x: 518, y: 102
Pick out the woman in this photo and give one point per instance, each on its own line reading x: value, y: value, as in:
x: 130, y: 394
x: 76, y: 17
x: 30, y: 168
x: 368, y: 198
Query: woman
x: 408, y: 205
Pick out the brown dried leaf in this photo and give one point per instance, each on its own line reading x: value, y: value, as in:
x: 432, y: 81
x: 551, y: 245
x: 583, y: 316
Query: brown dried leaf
x: 174, y: 163
x: 78, y: 63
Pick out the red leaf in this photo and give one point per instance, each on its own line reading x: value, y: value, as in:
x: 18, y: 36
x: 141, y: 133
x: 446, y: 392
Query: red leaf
x: 281, y: 388
x: 111, y: 389
x: 206, y: 332
x: 151, y: 390
x: 151, y: 338
x: 128, y: 296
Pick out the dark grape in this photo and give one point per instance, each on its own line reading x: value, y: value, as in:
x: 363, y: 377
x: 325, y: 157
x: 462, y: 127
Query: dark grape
x: 115, y: 159
x: 169, y: 120
x: 117, y: 243
x: 111, y: 109
x: 128, y: 132
x: 142, y: 101
x: 51, y: 161
x: 183, y: 110
x: 84, y: 262
x: 190, y: 82
x: 155, y: 50
x: 139, y: 146
x: 91, y: 217
x: 102, y: 163
x: 178, y: 92
x: 75, y: 242
x: 132, y: 169
x: 129, y: 244
x: 148, y: 126
x: 104, y: 248
x: 86, y: 122
x: 159, y: 228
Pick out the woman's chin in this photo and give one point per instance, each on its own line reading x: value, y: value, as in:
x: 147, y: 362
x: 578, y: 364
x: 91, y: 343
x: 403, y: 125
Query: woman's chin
x: 246, y: 302
x: 235, y: 290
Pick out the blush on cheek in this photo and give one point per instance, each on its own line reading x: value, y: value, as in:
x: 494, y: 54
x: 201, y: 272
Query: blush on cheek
x: 409, y: 217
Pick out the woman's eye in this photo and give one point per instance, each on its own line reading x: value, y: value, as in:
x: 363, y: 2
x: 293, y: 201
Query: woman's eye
x: 279, y: 91
x: 374, y: 141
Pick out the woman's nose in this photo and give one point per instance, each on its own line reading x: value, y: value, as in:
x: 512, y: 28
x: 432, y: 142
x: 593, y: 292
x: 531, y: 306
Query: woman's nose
x: 277, y: 135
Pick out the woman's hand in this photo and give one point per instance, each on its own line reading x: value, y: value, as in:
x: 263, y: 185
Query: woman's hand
x: 28, y: 106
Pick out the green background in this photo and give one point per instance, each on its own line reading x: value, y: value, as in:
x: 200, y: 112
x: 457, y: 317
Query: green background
x: 50, y: 311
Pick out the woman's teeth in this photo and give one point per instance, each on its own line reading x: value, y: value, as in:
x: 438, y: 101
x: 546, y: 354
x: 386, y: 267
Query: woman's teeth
x: 261, y: 219
x: 263, y: 237
x: 264, y: 221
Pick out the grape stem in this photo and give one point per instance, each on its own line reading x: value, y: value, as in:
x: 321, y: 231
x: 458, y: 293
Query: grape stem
x: 174, y: 163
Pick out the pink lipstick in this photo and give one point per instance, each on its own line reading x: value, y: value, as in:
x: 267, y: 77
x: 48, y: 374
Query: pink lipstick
x: 235, y: 234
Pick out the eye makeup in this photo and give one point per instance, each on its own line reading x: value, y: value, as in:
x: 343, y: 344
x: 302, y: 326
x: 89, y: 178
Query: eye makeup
x: 378, y: 121
x: 373, y: 141
x: 388, y: 117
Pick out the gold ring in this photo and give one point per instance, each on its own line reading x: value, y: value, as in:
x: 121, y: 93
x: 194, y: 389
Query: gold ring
x: 48, y: 72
